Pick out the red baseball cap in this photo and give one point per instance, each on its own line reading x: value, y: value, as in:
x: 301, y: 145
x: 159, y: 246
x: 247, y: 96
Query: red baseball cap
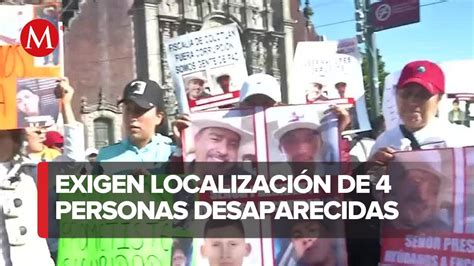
x: 425, y: 73
x: 53, y: 138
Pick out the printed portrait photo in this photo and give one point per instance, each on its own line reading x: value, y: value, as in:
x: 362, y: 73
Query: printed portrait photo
x: 226, y: 79
x: 302, y: 134
x: 196, y: 86
x: 228, y: 242
x: 36, y: 102
x: 224, y: 138
x: 309, y: 242
x: 422, y: 185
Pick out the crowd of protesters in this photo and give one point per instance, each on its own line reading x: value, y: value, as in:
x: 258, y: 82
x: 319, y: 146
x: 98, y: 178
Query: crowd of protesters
x: 419, y: 91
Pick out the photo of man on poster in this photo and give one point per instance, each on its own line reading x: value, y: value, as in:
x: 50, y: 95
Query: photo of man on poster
x: 225, y: 243
x: 219, y: 137
x: 315, y: 93
x: 303, y: 134
x: 341, y: 88
x: 311, y: 242
x: 423, y: 189
x: 195, y: 86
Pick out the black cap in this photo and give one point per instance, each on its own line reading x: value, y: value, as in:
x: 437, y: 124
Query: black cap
x: 145, y: 93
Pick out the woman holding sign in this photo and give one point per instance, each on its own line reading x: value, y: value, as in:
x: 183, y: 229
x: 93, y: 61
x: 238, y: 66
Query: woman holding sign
x: 419, y: 90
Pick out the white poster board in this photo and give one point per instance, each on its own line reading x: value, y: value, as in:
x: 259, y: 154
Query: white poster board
x: 207, y: 67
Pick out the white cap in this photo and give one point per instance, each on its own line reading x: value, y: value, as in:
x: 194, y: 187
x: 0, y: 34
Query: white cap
x: 231, y: 123
x: 90, y: 151
x: 261, y: 84
x: 193, y: 76
x: 294, y: 120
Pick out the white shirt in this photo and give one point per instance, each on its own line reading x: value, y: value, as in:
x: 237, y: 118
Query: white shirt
x: 4, y: 245
x: 436, y: 134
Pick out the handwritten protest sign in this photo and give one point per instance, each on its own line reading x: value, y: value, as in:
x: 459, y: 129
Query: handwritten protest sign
x: 16, y: 63
x: 458, y: 82
x: 432, y: 228
x: 208, y: 67
x: 326, y: 77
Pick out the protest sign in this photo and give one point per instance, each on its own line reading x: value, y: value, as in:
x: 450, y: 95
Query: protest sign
x: 349, y: 46
x: 432, y: 191
x: 323, y: 77
x: 36, y: 102
x: 207, y: 67
x: 458, y: 83
x: 16, y: 63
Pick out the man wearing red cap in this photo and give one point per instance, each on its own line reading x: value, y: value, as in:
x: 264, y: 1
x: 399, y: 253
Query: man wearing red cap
x: 419, y: 90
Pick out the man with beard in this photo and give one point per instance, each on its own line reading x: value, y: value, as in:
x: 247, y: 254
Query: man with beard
x: 194, y: 85
x: 419, y: 90
x: 419, y: 189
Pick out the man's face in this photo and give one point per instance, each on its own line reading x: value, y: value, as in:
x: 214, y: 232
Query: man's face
x: 455, y: 106
x: 217, y: 144
x: 140, y: 123
x: 341, y: 88
x: 224, y: 82
x: 27, y: 102
x: 225, y: 251
x: 301, y: 145
x: 418, y: 197
x: 314, y: 92
x: 416, y: 106
x: 195, y: 88
x: 179, y: 259
x: 310, y: 247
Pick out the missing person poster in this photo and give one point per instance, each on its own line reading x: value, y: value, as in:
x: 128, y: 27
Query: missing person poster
x: 328, y: 77
x: 433, y: 195
x: 302, y: 133
x: 208, y: 67
x: 311, y: 243
x: 18, y: 64
x: 225, y: 137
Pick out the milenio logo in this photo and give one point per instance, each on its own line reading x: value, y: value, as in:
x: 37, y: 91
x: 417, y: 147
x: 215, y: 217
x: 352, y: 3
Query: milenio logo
x: 39, y: 37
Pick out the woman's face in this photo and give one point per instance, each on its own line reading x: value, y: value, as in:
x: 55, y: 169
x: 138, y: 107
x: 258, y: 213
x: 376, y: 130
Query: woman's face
x: 27, y: 102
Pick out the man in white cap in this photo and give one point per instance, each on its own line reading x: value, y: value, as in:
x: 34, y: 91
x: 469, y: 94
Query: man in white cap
x: 219, y: 142
x: 421, y: 191
x: 315, y: 93
x: 194, y: 84
x: 299, y: 137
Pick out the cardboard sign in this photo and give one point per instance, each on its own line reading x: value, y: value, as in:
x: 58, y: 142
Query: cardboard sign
x: 435, y: 209
x: 16, y: 63
x: 326, y: 77
x: 208, y: 67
